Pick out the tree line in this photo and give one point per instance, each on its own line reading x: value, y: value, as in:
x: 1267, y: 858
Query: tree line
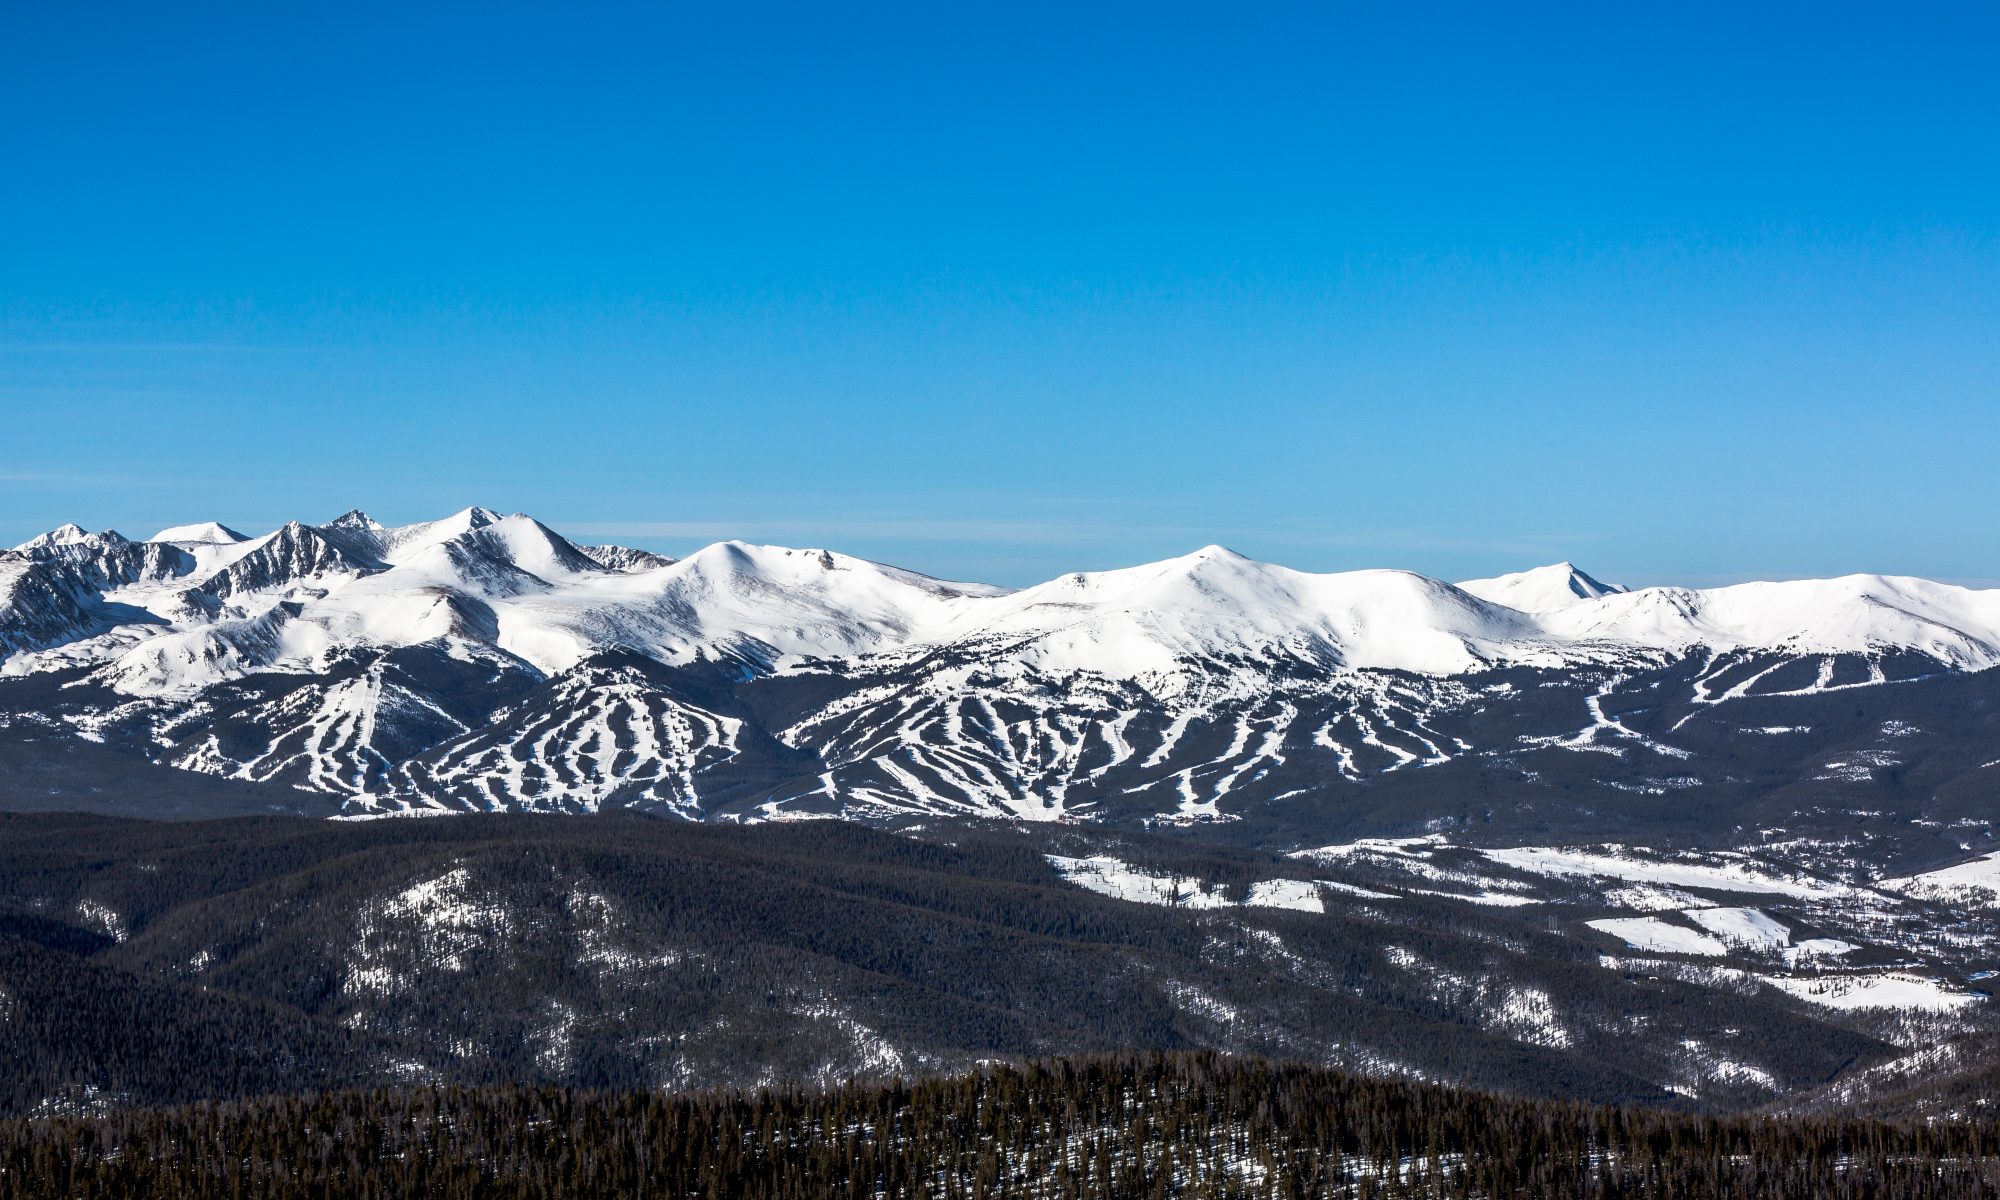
x: 1158, y: 1125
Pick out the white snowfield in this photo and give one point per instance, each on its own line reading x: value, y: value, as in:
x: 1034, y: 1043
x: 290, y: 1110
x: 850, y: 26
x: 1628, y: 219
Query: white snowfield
x: 1720, y: 932
x: 1976, y: 883
x: 291, y: 599
x: 1541, y: 590
x: 202, y: 533
x: 1855, y: 614
x: 1728, y: 872
x: 1893, y: 990
x: 1674, y: 919
x: 1711, y: 932
x: 1109, y: 876
x: 1656, y: 936
x: 1748, y: 927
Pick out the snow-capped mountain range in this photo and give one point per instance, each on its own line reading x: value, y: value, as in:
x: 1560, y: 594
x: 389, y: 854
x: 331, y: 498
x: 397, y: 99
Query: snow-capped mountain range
x: 485, y: 661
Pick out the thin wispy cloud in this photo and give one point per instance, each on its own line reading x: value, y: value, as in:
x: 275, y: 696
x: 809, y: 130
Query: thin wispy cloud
x: 915, y: 529
x: 1061, y: 533
x: 147, y: 348
x: 67, y: 478
x: 95, y: 391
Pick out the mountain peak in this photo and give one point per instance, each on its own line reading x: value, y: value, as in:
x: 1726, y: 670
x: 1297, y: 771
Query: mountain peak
x: 354, y: 518
x: 625, y: 558
x: 1208, y: 559
x: 61, y: 535
x: 70, y: 534
x: 205, y: 533
x: 1541, y: 589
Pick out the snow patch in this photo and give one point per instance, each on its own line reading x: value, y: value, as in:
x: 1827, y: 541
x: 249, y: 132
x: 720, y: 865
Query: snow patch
x: 1107, y: 876
x: 1655, y: 936
x: 1895, y: 990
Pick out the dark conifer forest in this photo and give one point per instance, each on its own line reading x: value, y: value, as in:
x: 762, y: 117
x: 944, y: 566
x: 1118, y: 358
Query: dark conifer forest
x: 515, y: 1006
x: 1184, y: 1125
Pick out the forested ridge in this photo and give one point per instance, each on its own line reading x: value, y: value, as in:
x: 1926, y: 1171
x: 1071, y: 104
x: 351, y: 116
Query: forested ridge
x: 525, y: 1007
x: 1195, y: 1124
x: 155, y: 964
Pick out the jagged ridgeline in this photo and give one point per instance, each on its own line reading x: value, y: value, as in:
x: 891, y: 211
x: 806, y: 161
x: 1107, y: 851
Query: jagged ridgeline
x: 1191, y: 1125
x: 485, y: 662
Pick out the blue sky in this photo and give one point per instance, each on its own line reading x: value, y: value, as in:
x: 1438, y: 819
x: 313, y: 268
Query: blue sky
x: 1681, y: 292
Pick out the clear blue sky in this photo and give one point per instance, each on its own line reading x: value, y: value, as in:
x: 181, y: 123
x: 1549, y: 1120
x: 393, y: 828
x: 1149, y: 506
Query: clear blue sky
x: 1683, y: 292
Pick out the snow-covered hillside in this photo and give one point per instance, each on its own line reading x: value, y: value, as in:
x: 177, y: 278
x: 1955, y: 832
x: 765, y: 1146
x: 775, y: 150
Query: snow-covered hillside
x: 1214, y: 605
x: 395, y: 664
x: 294, y: 599
x: 218, y: 604
x: 1957, y: 627
x: 1543, y: 589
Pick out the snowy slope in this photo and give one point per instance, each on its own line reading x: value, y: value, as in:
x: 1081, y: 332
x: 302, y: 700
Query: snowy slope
x: 296, y: 597
x: 1148, y: 622
x: 39, y: 607
x: 1543, y: 589
x: 1975, y: 883
x: 553, y: 605
x: 285, y: 598
x: 1178, y: 684
x: 625, y: 558
x: 61, y: 535
x: 201, y: 533
x: 1855, y: 614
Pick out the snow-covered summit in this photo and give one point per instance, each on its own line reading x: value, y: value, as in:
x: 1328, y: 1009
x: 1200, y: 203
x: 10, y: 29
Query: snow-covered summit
x: 1543, y: 589
x: 1214, y: 604
x: 201, y: 603
x: 201, y: 533
x: 484, y: 659
x: 394, y: 543
x: 1855, y: 614
x: 625, y: 558
x: 68, y: 535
